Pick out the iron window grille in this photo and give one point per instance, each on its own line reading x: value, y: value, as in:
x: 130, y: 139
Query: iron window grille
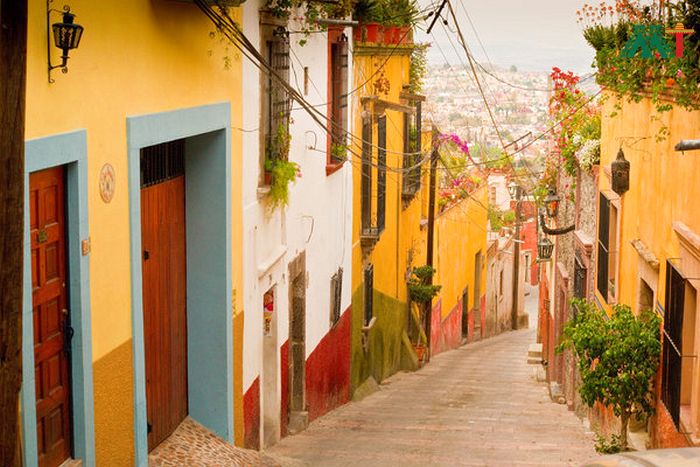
x: 369, y: 294
x: 580, y: 278
x: 336, y: 295
x: 366, y: 183
x: 162, y: 162
x: 339, y: 95
x: 381, y: 172
x: 412, y: 153
x: 673, y: 342
x: 278, y: 102
x: 603, y: 245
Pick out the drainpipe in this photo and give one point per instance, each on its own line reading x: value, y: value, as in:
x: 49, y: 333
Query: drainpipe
x: 516, y: 263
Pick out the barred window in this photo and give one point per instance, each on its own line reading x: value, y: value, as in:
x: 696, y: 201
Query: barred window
x: 336, y: 296
x: 412, y: 144
x: 338, y: 84
x: 277, y: 103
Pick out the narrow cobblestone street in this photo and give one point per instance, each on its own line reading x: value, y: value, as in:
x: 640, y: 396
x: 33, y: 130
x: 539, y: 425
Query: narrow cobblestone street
x: 478, y: 405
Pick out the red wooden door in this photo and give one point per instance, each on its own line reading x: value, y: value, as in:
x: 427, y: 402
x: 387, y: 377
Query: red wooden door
x: 50, y: 314
x: 164, y: 306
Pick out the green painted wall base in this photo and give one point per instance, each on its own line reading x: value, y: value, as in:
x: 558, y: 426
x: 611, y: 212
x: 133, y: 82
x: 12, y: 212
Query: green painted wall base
x: 389, y: 349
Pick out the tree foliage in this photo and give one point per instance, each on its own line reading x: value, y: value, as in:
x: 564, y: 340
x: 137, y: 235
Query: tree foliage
x: 617, y: 358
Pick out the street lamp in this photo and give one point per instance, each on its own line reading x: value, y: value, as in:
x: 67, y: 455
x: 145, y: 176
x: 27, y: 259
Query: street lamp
x: 66, y: 36
x: 544, y: 249
x: 551, y: 202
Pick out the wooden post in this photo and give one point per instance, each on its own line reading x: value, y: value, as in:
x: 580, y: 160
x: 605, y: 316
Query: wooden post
x: 434, y: 155
x: 13, y: 66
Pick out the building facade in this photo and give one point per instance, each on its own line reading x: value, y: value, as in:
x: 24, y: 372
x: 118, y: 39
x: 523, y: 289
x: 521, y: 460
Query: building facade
x: 129, y: 169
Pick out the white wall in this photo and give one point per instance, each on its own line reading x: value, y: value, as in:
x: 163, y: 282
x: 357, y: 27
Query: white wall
x: 318, y: 219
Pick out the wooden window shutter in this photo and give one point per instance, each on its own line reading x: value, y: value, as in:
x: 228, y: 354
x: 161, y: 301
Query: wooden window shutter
x: 366, y: 182
x: 336, y: 296
x: 381, y: 173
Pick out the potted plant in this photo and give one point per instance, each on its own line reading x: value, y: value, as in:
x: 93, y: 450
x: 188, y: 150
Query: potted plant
x: 339, y: 153
x: 367, y: 13
x: 421, y: 292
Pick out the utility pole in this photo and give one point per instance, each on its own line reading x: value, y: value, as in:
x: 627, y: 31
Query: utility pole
x: 434, y: 155
x: 516, y: 260
x: 13, y: 74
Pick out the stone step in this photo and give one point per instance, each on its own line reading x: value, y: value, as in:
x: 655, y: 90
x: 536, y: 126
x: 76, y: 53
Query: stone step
x: 534, y: 354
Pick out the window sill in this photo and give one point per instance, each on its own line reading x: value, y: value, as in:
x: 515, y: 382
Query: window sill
x: 334, y: 167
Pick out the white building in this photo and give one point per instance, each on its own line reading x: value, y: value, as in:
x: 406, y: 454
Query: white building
x: 296, y: 366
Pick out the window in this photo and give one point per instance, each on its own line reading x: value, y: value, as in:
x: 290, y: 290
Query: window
x: 607, y: 250
x: 500, y: 284
x: 412, y: 145
x: 673, y: 342
x: 381, y: 173
x: 366, y: 182
x: 369, y: 291
x: 336, y: 296
x: 338, y: 90
x: 580, y: 277
x: 373, y: 193
x: 276, y: 102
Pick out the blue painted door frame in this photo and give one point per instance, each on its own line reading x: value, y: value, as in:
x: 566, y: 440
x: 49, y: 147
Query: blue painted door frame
x: 69, y: 150
x: 209, y: 281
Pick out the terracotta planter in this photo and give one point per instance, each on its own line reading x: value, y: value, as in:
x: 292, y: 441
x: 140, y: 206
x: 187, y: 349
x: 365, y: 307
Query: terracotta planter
x: 420, y: 352
x: 267, y: 178
x: 394, y: 35
x: 370, y: 31
x: 357, y: 33
x: 405, y: 36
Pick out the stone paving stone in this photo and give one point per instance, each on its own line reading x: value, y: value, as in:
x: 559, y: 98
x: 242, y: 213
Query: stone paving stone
x: 192, y: 445
x: 479, y: 405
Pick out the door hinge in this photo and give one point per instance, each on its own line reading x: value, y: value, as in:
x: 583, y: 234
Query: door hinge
x: 146, y: 255
x: 149, y: 427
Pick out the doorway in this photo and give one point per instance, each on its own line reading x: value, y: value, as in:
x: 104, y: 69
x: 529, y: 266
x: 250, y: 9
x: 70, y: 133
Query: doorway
x: 477, y: 295
x: 51, y: 316
x: 465, y: 314
x: 270, y: 401
x: 298, y: 416
x: 164, y: 272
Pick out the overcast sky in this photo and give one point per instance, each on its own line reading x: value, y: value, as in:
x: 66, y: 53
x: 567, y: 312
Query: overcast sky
x: 533, y: 35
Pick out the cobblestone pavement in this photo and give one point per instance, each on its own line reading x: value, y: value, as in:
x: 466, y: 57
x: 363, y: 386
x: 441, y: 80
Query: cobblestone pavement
x: 477, y: 405
x: 193, y: 445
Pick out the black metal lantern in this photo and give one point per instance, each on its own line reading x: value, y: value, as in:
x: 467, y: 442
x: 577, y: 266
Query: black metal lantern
x: 551, y: 202
x: 66, y: 36
x: 620, y: 169
x: 514, y: 190
x: 544, y: 249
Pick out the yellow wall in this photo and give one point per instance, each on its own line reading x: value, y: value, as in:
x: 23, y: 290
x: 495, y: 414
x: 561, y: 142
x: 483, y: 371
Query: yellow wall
x: 402, y: 224
x: 460, y: 234
x: 663, y: 185
x: 136, y: 57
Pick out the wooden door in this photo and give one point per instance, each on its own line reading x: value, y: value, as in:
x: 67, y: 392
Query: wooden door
x: 51, y: 317
x: 164, y: 306
x: 297, y: 346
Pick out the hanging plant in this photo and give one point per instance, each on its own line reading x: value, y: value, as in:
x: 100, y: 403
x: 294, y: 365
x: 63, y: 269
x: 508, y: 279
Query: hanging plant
x: 283, y: 173
x: 419, y: 288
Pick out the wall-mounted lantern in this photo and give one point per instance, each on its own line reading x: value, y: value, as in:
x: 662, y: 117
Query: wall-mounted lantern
x: 66, y: 36
x: 545, y: 247
x: 620, y: 169
x: 551, y: 203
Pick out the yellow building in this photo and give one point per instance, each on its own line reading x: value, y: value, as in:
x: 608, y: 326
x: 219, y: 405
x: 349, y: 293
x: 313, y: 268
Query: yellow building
x: 143, y: 119
x: 648, y: 249
x: 390, y: 222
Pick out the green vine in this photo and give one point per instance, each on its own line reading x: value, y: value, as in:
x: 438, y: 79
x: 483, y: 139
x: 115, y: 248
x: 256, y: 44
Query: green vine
x: 418, y: 68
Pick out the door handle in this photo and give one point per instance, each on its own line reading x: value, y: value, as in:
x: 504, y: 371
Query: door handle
x: 68, y: 332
